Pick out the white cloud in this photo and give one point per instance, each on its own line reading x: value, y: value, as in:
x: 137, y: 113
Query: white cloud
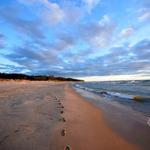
x: 54, y: 14
x: 90, y: 4
x: 105, y: 20
x: 144, y: 14
x: 127, y: 32
x: 73, y: 14
x: 50, y: 12
x: 99, y: 34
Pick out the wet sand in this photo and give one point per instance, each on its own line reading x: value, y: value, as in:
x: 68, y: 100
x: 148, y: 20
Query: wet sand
x: 130, y: 124
x: 50, y: 116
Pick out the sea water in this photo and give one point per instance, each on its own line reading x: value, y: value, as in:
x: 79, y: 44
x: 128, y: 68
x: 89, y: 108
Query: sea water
x: 135, y: 94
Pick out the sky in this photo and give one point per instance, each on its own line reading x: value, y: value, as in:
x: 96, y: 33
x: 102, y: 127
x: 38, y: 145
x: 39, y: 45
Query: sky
x: 88, y: 39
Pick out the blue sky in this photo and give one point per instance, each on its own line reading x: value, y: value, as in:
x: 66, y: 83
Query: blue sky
x: 82, y: 38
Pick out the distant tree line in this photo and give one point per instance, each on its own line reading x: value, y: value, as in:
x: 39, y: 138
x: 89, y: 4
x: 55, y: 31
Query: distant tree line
x: 17, y: 76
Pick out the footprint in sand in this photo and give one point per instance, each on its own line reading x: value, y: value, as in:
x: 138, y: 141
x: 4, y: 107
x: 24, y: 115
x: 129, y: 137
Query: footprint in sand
x: 63, y: 132
x: 61, y: 111
x: 60, y: 107
x: 67, y: 147
x: 17, y: 130
x: 59, y: 103
x: 62, y: 119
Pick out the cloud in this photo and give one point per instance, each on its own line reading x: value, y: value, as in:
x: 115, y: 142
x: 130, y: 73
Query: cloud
x: 30, y: 28
x: 119, y: 60
x: 33, y: 59
x: 51, y: 13
x: 12, y: 69
x: 90, y: 4
x: 144, y: 15
x: 98, y: 34
x: 56, y: 38
x: 73, y: 14
x: 128, y: 60
x: 127, y: 32
x: 33, y: 29
x: 143, y: 45
x: 64, y: 41
x: 142, y: 50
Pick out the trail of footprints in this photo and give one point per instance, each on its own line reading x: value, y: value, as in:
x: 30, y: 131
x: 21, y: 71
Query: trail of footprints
x: 63, y: 131
x: 62, y: 119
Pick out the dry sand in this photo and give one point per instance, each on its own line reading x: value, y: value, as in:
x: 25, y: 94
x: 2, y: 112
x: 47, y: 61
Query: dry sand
x: 49, y: 116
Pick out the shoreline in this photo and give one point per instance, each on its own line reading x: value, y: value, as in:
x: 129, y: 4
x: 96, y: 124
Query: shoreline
x: 85, y: 127
x: 130, y: 124
x: 48, y: 115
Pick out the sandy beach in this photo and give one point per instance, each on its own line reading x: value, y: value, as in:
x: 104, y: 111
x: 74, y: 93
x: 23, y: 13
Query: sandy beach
x: 52, y: 116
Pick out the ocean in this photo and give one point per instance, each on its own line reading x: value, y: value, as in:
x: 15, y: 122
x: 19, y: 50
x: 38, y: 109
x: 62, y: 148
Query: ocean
x: 134, y: 94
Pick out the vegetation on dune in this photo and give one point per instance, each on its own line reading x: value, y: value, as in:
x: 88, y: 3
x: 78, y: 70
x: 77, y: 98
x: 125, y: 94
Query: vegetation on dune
x: 16, y: 76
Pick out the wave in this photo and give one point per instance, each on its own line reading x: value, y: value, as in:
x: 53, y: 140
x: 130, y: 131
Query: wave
x: 110, y: 94
x: 148, y: 121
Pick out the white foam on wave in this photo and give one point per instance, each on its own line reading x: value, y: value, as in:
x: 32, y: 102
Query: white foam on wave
x: 148, y: 121
x: 121, y: 95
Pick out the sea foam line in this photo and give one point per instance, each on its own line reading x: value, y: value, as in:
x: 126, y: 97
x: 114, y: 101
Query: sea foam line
x: 148, y: 121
